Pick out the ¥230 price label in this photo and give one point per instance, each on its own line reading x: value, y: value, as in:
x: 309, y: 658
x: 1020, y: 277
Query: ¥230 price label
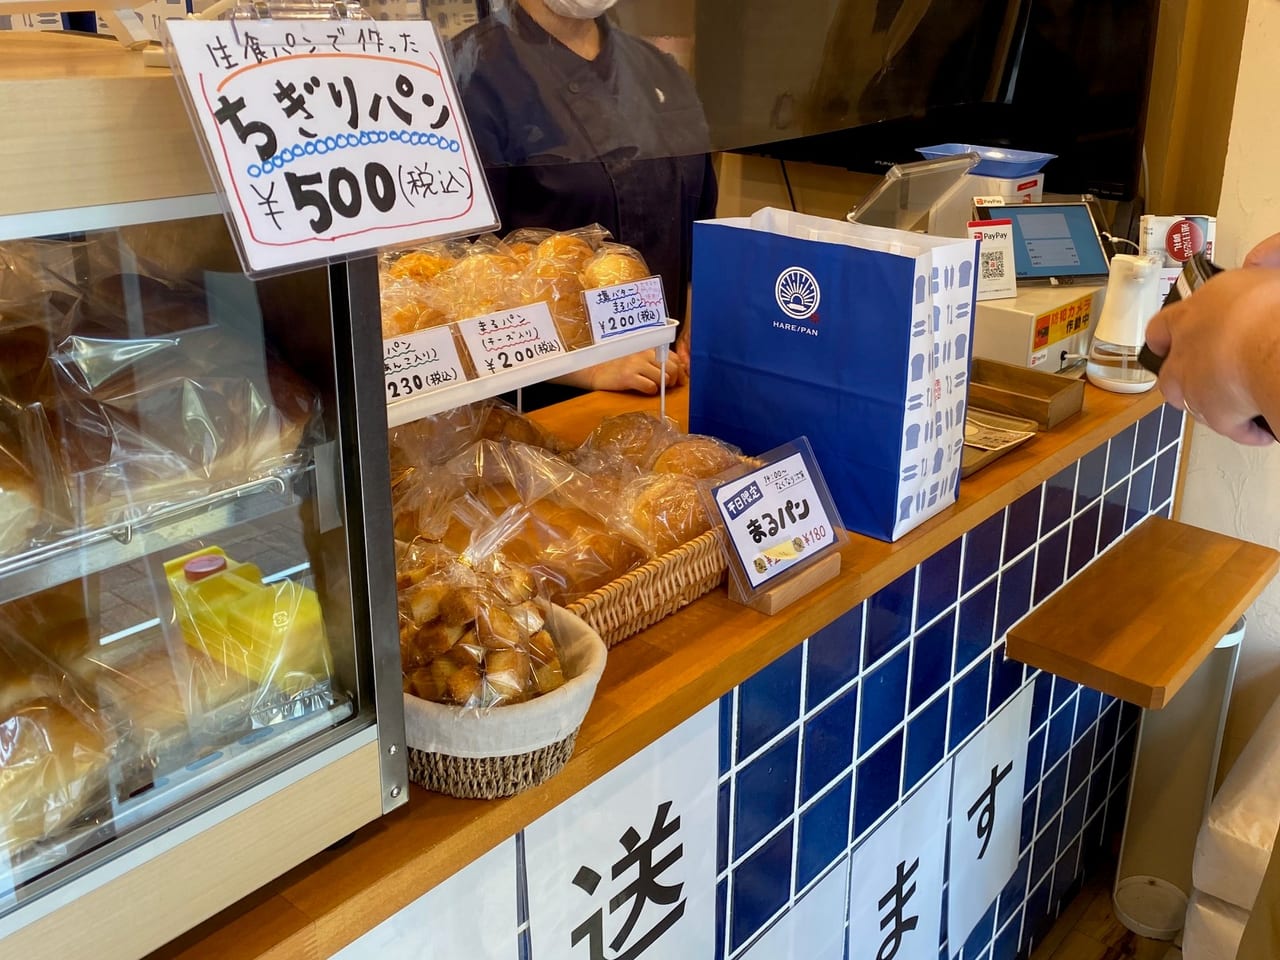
x: 502, y: 341
x: 330, y: 137
x: 625, y: 308
x: 419, y: 363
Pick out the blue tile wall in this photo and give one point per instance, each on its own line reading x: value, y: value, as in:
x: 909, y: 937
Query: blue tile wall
x: 982, y: 550
x: 889, y: 618
x: 823, y: 744
x: 884, y: 699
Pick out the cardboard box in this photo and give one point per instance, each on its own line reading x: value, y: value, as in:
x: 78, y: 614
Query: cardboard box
x: 1044, y: 328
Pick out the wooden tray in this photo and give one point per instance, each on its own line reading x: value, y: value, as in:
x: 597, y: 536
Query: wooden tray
x: 1046, y: 398
x: 974, y: 459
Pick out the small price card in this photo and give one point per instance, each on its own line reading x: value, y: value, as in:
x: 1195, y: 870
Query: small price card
x: 777, y: 516
x: 508, y: 339
x: 329, y: 137
x: 420, y: 362
x: 625, y: 308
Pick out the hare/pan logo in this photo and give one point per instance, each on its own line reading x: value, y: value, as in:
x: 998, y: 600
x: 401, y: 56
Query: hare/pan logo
x: 797, y: 293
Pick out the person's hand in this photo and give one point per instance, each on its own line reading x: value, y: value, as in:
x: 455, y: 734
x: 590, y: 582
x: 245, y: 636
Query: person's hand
x: 638, y: 371
x: 1222, y: 352
x: 1265, y: 254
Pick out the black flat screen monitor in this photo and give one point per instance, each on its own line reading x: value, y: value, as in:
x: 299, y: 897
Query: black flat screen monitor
x: 862, y: 83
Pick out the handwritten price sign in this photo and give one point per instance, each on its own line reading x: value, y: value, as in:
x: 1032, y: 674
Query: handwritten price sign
x: 625, y: 308
x: 775, y: 517
x: 419, y: 363
x: 508, y: 339
x: 330, y: 137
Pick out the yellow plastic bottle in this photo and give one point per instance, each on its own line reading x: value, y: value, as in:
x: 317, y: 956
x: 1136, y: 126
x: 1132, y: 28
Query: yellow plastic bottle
x: 267, y: 632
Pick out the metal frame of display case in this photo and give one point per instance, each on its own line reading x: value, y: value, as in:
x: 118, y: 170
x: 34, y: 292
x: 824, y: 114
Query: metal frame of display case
x: 232, y: 836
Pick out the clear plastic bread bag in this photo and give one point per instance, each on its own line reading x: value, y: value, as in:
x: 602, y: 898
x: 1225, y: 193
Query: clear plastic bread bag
x: 636, y: 437
x: 267, y: 641
x: 150, y: 399
x: 474, y: 635
x: 614, y: 263
x: 57, y: 748
x: 697, y: 456
x: 482, y: 282
x: 667, y: 510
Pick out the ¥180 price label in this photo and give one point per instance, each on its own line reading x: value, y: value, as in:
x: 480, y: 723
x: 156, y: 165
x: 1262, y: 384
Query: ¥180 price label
x: 501, y: 342
x: 419, y: 363
x: 330, y: 137
x: 625, y: 308
x: 775, y: 517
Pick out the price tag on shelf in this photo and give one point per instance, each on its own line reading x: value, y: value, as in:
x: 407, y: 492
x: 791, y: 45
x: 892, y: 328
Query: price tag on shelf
x: 420, y: 362
x: 508, y: 339
x: 777, y: 515
x: 625, y: 308
x: 330, y: 137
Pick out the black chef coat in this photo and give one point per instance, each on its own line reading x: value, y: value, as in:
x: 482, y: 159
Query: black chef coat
x: 566, y: 142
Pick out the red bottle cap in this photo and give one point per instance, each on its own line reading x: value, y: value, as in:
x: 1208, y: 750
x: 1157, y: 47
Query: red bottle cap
x: 206, y: 565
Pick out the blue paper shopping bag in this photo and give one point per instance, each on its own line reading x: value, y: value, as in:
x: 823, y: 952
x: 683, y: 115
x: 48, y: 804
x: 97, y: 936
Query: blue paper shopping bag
x: 857, y: 337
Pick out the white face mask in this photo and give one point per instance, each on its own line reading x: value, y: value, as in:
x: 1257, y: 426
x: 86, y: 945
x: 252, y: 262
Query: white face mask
x: 579, y: 9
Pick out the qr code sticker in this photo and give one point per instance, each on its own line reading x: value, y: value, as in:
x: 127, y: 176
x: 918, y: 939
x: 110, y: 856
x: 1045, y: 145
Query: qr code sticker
x: 992, y: 264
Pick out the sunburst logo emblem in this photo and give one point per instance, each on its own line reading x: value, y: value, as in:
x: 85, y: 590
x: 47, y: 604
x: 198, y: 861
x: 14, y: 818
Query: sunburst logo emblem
x: 797, y: 293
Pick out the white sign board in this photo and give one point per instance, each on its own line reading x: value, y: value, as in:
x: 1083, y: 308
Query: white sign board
x: 986, y: 815
x: 895, y: 893
x: 996, y: 278
x: 330, y: 137
x: 512, y: 338
x: 626, y: 866
x: 625, y: 308
x: 472, y: 914
x: 420, y: 362
x: 775, y: 517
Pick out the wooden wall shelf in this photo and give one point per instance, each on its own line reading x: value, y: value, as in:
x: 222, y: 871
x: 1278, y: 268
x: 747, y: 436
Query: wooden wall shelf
x: 1140, y: 619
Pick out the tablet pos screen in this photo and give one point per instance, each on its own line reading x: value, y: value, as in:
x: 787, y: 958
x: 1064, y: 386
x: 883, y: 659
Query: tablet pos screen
x: 1052, y: 240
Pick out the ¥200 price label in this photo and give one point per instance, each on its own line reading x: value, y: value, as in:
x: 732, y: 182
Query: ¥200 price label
x: 625, y: 308
x: 501, y: 342
x: 419, y: 363
x: 330, y: 137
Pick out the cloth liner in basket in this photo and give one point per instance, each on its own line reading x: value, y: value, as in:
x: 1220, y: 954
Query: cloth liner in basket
x: 500, y: 752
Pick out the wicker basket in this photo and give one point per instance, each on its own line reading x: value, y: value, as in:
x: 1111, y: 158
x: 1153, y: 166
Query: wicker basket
x: 657, y: 589
x: 499, y: 752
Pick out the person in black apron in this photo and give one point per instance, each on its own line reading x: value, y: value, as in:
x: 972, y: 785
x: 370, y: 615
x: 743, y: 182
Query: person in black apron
x: 578, y: 122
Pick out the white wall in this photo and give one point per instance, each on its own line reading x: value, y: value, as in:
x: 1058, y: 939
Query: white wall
x: 1236, y: 490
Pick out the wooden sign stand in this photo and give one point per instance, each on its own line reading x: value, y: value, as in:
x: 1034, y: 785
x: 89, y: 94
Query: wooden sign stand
x: 795, y: 586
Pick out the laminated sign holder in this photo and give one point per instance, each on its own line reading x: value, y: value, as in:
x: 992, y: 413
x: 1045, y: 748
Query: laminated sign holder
x: 328, y: 134
x: 781, y: 529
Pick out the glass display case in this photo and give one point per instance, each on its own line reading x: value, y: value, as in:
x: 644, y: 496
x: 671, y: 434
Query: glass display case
x: 199, y: 680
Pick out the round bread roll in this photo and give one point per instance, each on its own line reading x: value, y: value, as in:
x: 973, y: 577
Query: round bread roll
x: 557, y: 283
x: 695, y: 456
x: 52, y: 766
x: 667, y: 510
x: 503, y: 422
x: 636, y: 437
x: 614, y: 264
x: 567, y: 249
x: 523, y: 243
x: 420, y: 265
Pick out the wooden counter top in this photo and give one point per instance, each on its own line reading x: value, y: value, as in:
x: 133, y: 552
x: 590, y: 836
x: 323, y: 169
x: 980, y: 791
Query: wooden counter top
x: 653, y: 682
